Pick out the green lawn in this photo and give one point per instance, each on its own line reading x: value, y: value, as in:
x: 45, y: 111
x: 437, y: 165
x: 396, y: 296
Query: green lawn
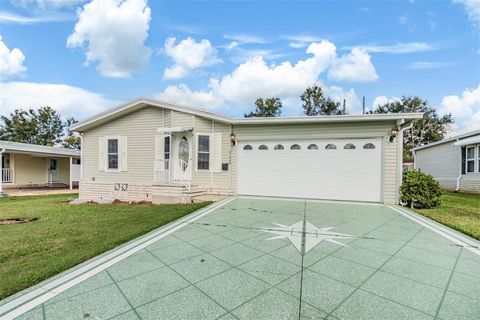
x: 459, y: 211
x: 65, y: 235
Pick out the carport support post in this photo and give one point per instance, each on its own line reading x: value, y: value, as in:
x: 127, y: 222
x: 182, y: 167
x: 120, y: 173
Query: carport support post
x: 71, y: 183
x: 1, y: 170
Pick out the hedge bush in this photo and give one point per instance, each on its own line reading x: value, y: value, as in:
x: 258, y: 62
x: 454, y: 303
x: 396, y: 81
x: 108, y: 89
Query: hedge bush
x: 420, y: 190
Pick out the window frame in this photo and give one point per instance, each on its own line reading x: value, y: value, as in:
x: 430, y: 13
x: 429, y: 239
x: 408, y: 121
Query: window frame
x: 167, y: 154
x: 474, y: 159
x: 118, y: 153
x: 198, y: 152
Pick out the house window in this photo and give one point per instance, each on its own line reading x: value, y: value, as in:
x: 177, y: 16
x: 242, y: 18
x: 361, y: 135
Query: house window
x: 330, y: 146
x: 166, y: 151
x: 262, y: 147
x: 203, y: 162
x: 247, y: 147
x: 313, y: 146
x: 295, y: 147
x: 369, y: 146
x: 112, y: 154
x: 470, y: 163
x: 278, y: 147
x: 349, y: 146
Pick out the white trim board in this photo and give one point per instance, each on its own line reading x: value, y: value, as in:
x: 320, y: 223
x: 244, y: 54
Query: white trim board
x: 43, y: 293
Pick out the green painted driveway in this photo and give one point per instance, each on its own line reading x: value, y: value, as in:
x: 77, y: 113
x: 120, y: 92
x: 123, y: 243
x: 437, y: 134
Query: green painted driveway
x: 252, y: 258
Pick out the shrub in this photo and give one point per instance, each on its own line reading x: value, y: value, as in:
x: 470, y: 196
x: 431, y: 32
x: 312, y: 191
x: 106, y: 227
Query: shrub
x: 420, y: 190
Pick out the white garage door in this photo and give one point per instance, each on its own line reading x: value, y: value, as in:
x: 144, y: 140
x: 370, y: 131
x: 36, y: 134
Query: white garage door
x: 347, y: 169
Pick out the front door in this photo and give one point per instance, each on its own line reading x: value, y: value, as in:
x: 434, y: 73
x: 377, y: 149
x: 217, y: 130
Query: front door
x: 53, y: 172
x: 181, y: 157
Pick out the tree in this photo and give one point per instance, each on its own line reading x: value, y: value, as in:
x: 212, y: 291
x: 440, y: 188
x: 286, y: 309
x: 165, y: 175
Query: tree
x: 315, y: 103
x: 43, y: 127
x: 19, y: 127
x: 429, y: 129
x: 71, y: 140
x: 270, y: 107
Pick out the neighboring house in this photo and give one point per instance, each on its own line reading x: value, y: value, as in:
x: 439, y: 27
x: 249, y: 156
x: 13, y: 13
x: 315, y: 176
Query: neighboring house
x: 148, y: 150
x: 29, y: 165
x: 453, y: 162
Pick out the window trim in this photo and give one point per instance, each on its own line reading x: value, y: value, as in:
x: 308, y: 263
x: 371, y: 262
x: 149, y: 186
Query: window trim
x: 475, y: 159
x: 119, y: 152
x: 197, y: 151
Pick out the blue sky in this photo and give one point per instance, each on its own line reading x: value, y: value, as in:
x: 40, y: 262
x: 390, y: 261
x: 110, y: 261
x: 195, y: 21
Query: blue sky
x: 84, y: 56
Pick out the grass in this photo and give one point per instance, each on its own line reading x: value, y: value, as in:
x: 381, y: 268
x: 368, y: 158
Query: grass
x: 65, y: 235
x: 459, y: 211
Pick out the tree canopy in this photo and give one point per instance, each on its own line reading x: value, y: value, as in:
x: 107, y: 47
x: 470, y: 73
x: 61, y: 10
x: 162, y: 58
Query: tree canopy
x: 42, y: 127
x: 315, y: 103
x: 270, y: 107
x: 429, y: 129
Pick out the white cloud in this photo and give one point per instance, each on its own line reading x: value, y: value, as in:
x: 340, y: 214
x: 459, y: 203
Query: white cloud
x: 181, y: 94
x: 465, y: 109
x: 301, y: 40
x: 472, y: 7
x: 245, y: 38
x: 403, y: 19
x: 381, y: 100
x: 256, y: 78
x: 46, y: 4
x: 11, y: 61
x: 114, y: 34
x: 420, y: 65
x: 188, y: 55
x: 400, y: 48
x: 12, y: 18
x: 355, y: 66
x: 68, y: 100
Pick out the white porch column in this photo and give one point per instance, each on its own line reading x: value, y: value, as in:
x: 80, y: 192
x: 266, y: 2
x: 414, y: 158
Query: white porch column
x: 1, y: 170
x: 71, y: 183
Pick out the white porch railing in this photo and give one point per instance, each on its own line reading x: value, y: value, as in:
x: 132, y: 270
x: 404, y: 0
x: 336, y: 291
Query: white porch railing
x: 7, y: 175
x: 173, y: 171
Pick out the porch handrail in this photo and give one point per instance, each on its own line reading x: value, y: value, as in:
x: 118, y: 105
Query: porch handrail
x: 173, y: 171
x: 7, y: 175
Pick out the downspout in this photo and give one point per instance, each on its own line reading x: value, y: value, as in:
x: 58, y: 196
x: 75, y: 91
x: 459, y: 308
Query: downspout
x: 457, y: 187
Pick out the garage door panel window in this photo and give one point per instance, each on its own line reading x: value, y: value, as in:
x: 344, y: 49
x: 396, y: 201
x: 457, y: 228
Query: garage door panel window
x: 330, y: 146
x: 349, y: 146
x: 369, y: 146
x: 247, y: 147
x: 295, y: 147
x: 262, y: 147
x: 278, y: 147
x: 313, y: 146
x: 470, y: 163
x: 203, y: 156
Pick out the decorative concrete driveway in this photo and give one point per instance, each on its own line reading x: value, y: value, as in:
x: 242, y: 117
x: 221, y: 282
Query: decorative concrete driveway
x: 252, y: 258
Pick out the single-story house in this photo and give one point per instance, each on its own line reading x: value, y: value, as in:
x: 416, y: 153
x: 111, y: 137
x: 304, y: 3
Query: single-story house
x: 147, y: 150
x: 453, y: 162
x: 29, y: 165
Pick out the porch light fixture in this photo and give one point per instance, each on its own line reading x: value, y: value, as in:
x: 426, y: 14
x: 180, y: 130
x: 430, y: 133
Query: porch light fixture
x: 393, y: 133
x: 233, y: 138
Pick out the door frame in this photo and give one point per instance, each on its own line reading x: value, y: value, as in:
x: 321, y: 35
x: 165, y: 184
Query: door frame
x: 48, y: 170
x: 175, y: 139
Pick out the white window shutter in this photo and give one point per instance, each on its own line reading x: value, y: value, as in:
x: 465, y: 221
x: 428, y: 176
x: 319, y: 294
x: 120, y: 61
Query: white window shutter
x: 102, y: 157
x: 216, y: 152
x: 123, y: 154
x: 159, y: 147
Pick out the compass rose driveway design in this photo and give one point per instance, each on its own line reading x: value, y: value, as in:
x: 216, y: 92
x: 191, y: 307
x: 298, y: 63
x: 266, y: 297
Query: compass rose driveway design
x: 253, y: 258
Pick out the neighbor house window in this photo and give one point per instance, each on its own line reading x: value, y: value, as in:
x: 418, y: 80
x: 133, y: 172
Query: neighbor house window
x: 112, y: 154
x: 470, y: 163
x: 330, y: 146
x: 247, y: 147
x: 262, y: 147
x: 349, y: 146
x: 278, y: 147
x: 369, y: 146
x: 313, y: 146
x: 203, y: 153
x: 295, y: 147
